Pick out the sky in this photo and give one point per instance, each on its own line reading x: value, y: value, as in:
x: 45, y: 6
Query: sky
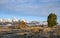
x: 29, y: 9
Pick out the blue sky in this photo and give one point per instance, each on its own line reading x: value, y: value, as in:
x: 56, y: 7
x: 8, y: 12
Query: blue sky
x: 29, y: 9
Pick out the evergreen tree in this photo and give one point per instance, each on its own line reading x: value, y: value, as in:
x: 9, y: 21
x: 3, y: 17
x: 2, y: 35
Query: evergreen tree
x: 52, y: 20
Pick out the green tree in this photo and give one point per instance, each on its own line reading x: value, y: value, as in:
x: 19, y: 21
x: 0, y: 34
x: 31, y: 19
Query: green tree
x: 52, y: 20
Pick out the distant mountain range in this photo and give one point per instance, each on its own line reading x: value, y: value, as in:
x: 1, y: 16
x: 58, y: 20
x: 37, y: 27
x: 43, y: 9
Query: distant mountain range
x: 14, y: 21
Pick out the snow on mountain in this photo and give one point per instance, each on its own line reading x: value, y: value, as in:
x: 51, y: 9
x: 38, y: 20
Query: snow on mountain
x: 23, y: 20
x: 28, y: 22
x: 5, y: 20
x: 15, y: 19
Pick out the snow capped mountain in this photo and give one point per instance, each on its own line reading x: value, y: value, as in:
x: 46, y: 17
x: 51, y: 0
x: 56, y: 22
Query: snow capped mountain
x: 34, y: 23
x: 1, y: 20
x: 8, y: 20
x: 23, y: 20
x: 44, y: 23
x: 5, y: 20
x: 39, y: 22
x: 15, y: 19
